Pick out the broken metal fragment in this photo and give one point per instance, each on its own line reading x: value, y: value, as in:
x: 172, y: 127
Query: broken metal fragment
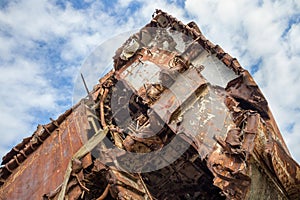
x: 182, y: 120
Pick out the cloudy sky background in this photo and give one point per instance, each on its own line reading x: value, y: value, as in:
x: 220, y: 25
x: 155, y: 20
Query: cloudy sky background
x: 44, y: 43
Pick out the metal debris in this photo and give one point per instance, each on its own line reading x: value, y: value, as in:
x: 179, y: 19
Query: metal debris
x: 169, y: 83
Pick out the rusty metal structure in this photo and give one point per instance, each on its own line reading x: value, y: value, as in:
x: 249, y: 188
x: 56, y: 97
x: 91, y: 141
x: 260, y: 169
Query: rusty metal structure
x: 197, y: 118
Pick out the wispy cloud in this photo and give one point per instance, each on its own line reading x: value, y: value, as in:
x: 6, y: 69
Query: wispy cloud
x: 44, y: 43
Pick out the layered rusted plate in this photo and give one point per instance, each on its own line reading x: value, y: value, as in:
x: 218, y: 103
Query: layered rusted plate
x: 44, y: 169
x: 181, y: 102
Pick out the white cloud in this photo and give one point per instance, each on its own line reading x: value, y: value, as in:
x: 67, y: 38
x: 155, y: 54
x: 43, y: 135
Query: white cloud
x: 294, y: 39
x: 23, y: 88
x: 32, y: 30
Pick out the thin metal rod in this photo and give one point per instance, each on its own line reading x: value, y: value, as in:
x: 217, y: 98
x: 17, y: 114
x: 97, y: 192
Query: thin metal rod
x: 86, y: 88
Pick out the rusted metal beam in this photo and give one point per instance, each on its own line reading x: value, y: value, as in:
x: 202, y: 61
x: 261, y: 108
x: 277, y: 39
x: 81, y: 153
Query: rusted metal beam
x: 169, y: 83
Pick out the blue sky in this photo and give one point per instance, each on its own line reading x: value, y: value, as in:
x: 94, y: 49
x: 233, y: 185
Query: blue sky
x: 44, y: 44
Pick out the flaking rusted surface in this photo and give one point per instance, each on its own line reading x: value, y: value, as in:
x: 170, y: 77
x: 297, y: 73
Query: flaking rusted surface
x: 44, y: 168
x: 233, y: 143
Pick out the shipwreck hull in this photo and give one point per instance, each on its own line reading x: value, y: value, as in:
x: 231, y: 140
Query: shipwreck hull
x: 177, y: 118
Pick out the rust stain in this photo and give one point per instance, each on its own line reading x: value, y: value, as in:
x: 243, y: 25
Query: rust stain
x: 229, y: 129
